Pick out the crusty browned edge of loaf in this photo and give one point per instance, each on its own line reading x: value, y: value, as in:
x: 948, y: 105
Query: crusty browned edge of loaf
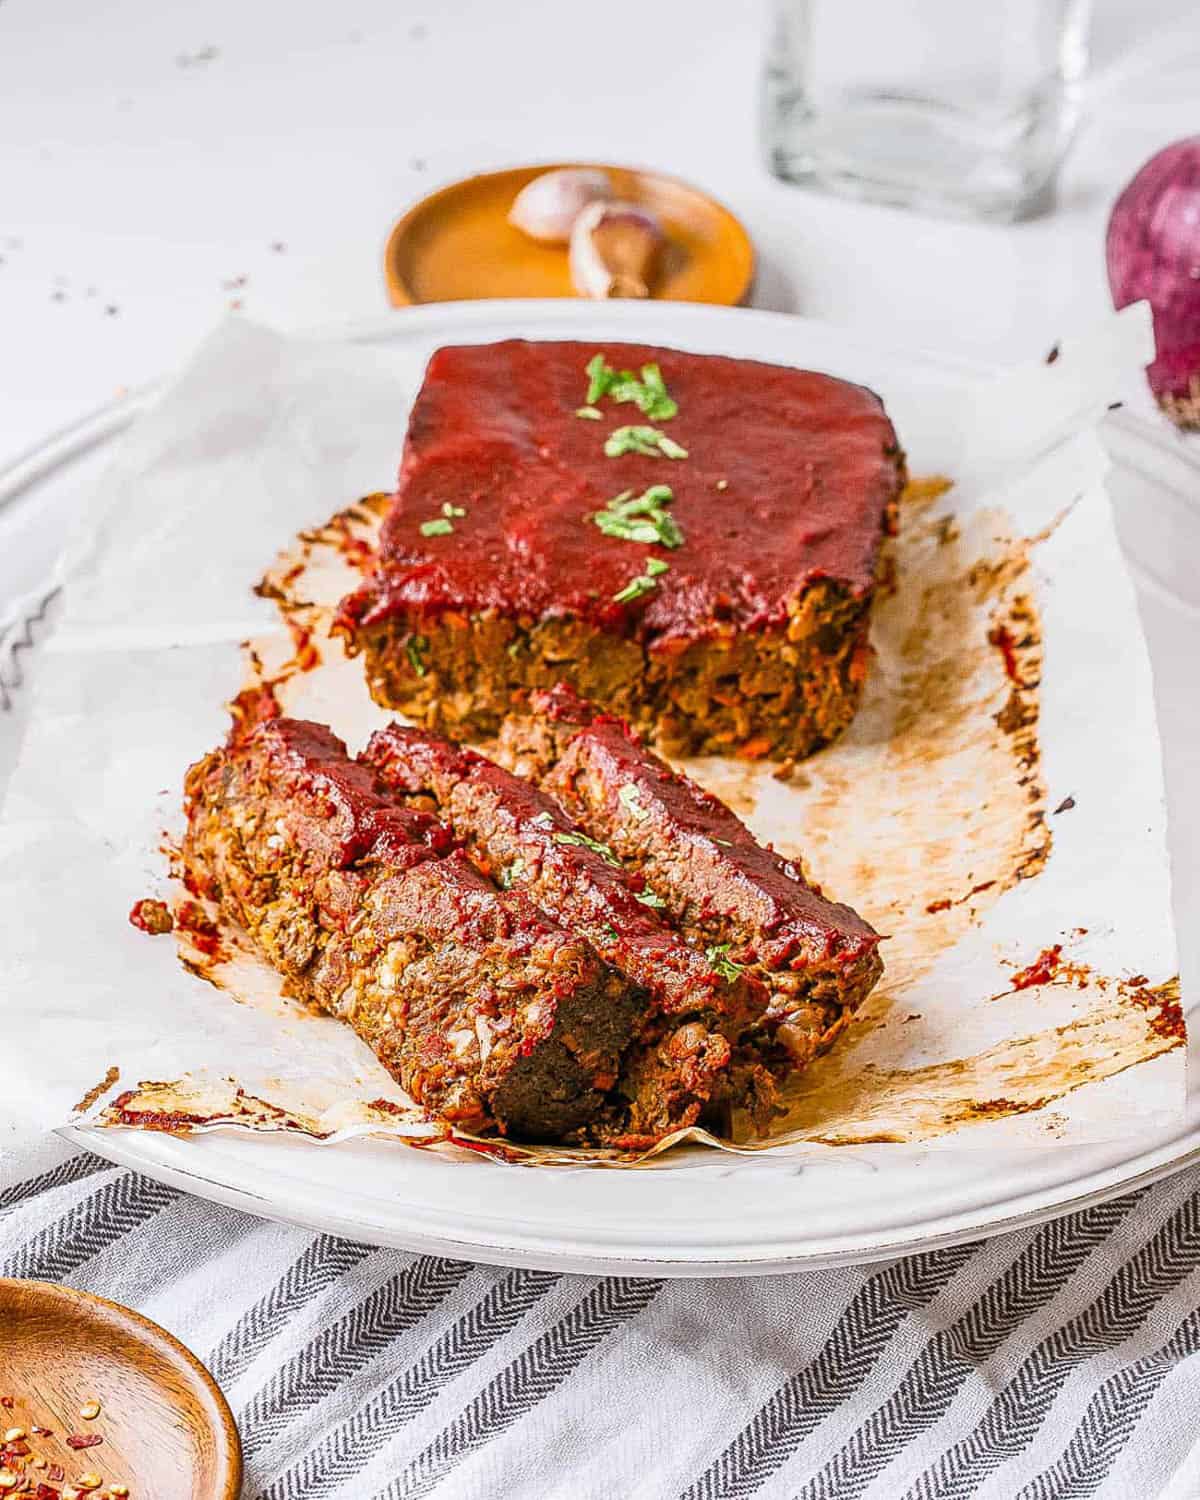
x: 724, y: 889
x: 486, y: 1013
x: 684, y: 1065
x: 779, y: 692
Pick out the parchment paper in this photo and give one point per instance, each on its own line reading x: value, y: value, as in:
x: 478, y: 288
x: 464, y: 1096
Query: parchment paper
x: 996, y: 809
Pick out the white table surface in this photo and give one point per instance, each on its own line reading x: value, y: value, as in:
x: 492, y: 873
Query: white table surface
x: 151, y: 154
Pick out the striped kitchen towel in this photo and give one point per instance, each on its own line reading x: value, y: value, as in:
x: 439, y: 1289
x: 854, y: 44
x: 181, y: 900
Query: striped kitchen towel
x: 1046, y: 1363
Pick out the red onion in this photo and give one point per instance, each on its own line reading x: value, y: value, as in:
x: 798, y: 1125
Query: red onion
x: 1154, y: 253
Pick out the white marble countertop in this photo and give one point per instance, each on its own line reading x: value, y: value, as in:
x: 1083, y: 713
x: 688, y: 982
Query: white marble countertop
x: 162, y: 164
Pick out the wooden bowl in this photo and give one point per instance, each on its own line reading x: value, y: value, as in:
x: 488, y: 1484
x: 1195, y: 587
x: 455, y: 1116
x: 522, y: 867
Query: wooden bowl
x: 167, y: 1430
x: 457, y: 244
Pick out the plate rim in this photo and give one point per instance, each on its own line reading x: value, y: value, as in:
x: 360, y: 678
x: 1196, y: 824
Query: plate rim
x: 1159, y: 1158
x: 1111, y: 1182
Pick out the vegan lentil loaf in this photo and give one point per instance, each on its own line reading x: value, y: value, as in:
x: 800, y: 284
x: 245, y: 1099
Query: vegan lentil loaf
x: 687, y: 1061
x: 484, y: 1010
x: 690, y: 540
x: 738, y: 900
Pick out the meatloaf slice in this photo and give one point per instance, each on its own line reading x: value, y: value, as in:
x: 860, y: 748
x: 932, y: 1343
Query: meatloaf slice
x: 684, y: 1056
x: 524, y: 544
x: 748, y: 907
x: 488, y: 1014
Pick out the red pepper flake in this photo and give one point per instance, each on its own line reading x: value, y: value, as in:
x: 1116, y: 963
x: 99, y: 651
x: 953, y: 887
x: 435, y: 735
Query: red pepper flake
x: 56, y: 1473
x: 1041, y: 971
x: 84, y: 1440
x: 1065, y: 805
x: 46, y: 1492
x: 150, y: 916
x: 6, y: 1402
x: 1053, y: 355
x: 1004, y: 641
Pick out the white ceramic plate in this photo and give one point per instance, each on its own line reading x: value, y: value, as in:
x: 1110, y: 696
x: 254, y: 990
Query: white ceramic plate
x: 693, y: 1214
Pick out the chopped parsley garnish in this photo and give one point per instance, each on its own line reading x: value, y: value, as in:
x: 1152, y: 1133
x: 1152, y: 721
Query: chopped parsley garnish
x: 590, y: 413
x: 624, y: 528
x: 440, y: 527
x: 584, y: 842
x: 543, y: 820
x: 628, y: 798
x: 725, y: 967
x: 634, y: 589
x: 662, y: 528
x: 641, y: 518
x: 610, y: 934
x: 649, y: 394
x: 644, y: 582
x: 513, y: 872
x: 413, y: 648
x: 651, y: 899
x: 452, y: 510
x: 599, y: 376
x: 647, y: 441
x: 656, y: 387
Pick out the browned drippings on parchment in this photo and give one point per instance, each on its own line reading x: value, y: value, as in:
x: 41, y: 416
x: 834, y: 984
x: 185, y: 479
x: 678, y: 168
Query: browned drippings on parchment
x: 952, y: 703
x: 98, y: 1090
x: 844, y: 1103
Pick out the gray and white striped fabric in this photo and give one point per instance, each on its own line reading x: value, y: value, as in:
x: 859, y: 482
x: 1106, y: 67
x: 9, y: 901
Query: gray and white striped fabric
x: 1047, y: 1363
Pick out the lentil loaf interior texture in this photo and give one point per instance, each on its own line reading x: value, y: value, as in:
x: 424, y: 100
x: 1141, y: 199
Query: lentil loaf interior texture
x: 580, y: 945
x: 723, y: 890
x: 739, y: 625
x: 485, y: 1011
x: 685, y: 1062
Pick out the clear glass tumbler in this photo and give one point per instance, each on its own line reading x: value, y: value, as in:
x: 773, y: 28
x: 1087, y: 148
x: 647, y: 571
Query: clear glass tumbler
x: 955, y: 106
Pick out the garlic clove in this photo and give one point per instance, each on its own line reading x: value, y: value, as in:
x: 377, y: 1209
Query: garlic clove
x: 546, y: 208
x: 615, y: 250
